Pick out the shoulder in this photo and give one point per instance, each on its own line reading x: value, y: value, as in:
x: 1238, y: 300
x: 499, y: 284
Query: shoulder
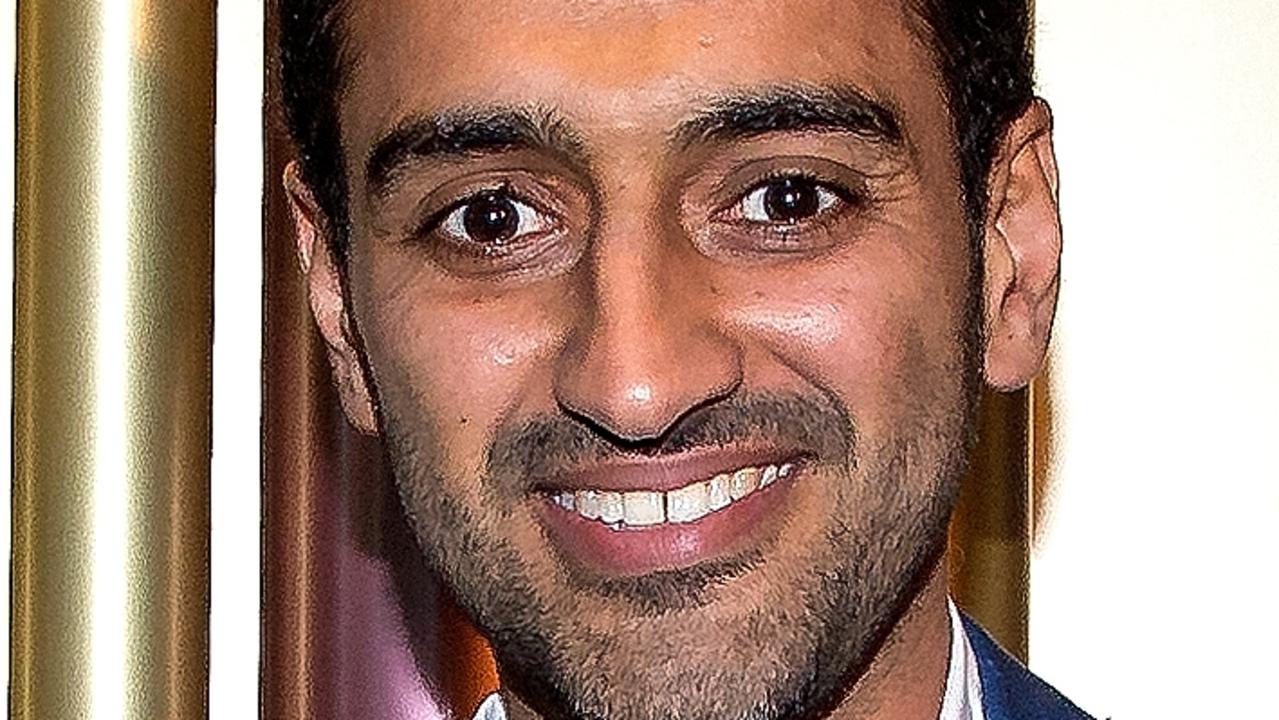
x: 1009, y: 690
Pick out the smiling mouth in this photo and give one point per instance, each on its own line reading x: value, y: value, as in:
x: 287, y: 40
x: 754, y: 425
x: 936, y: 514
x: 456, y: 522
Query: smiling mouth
x: 645, y: 509
x: 639, y: 516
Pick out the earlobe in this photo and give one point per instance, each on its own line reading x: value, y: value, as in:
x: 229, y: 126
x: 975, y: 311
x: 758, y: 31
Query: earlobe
x: 1022, y: 251
x: 327, y: 300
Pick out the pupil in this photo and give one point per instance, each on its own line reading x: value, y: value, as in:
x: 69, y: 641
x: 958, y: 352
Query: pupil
x: 791, y: 199
x: 491, y: 219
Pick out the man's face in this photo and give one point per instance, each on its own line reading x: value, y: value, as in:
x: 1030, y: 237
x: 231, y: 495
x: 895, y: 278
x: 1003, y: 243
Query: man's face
x: 671, y: 317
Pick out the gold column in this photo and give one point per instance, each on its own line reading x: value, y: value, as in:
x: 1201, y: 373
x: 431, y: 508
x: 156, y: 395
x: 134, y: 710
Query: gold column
x: 990, y: 534
x: 112, y: 374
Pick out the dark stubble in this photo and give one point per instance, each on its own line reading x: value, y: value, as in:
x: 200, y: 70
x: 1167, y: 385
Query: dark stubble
x: 795, y: 657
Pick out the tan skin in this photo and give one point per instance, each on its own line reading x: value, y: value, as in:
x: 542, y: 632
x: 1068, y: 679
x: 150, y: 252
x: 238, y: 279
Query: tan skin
x: 640, y: 299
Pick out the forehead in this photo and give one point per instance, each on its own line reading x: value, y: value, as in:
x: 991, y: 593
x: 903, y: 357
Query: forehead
x: 619, y: 63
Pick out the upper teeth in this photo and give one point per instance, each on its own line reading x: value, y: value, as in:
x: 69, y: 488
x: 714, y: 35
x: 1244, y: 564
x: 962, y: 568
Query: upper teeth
x: 682, y: 505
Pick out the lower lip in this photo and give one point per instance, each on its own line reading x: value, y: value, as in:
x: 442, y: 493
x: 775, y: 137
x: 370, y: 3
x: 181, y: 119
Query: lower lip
x: 746, y: 523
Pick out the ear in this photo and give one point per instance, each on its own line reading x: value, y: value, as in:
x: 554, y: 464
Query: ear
x: 1022, y: 251
x: 313, y: 233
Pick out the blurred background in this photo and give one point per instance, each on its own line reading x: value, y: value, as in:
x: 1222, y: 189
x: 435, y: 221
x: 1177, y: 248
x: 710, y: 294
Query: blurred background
x: 1153, y: 580
x: 1131, y: 562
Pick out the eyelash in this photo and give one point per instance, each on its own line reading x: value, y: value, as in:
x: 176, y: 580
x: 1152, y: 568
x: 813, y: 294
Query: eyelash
x: 434, y: 222
x: 853, y: 198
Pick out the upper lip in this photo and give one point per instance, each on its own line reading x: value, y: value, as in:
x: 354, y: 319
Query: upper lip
x: 666, y: 472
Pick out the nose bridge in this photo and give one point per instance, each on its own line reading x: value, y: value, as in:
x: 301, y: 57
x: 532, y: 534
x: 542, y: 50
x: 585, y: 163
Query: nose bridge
x: 646, y: 350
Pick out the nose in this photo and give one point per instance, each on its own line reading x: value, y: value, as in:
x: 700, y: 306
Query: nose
x: 646, y: 350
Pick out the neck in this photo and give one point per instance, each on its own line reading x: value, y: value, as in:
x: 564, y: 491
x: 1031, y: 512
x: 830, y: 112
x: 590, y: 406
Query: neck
x: 906, y: 679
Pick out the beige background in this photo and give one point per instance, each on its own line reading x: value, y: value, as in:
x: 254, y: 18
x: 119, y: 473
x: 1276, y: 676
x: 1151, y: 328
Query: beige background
x: 1154, y: 583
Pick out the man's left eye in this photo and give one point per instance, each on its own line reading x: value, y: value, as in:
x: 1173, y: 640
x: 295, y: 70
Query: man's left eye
x: 786, y: 201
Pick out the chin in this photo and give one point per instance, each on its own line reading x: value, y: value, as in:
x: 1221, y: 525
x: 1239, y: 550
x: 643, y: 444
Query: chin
x: 780, y: 620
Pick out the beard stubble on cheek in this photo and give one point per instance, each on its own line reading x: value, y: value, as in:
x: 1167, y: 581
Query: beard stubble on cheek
x: 686, y: 644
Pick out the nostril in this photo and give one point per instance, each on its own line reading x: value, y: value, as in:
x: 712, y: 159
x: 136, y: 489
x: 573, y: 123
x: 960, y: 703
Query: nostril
x: 649, y: 432
x: 629, y: 438
x: 632, y: 377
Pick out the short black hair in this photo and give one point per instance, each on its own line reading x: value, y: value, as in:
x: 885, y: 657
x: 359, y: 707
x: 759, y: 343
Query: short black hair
x: 982, y: 49
x: 984, y: 54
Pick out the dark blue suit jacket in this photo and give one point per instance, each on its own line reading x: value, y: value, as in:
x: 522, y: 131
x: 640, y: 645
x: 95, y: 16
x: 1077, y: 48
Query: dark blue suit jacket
x: 1009, y: 691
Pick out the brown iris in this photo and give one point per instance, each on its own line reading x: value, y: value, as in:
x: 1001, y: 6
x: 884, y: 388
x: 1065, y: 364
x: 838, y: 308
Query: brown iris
x: 491, y: 219
x: 789, y: 200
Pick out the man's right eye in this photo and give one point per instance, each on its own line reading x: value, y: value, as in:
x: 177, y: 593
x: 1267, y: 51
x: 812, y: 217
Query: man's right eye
x: 489, y: 222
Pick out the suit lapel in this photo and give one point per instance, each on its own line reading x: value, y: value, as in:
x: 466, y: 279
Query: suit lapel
x: 1009, y: 690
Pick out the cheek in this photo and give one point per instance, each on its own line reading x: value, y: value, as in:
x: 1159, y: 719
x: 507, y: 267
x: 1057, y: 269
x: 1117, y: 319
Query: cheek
x: 457, y: 365
x: 832, y: 343
x: 872, y: 337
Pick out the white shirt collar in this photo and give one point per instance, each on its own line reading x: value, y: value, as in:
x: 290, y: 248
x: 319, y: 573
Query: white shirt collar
x: 961, y: 699
x: 491, y: 709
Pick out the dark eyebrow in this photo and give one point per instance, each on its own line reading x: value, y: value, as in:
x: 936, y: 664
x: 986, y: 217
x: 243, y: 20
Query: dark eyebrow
x: 748, y: 114
x: 468, y: 132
